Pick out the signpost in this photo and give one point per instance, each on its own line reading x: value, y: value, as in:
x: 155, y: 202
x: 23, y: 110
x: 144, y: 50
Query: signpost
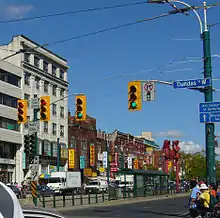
x: 33, y: 127
x: 35, y: 103
x: 34, y: 171
x: 148, y: 91
x: 209, y: 112
x: 193, y: 83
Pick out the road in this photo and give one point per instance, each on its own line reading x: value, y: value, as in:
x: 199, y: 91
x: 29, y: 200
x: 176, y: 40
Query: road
x: 156, y: 209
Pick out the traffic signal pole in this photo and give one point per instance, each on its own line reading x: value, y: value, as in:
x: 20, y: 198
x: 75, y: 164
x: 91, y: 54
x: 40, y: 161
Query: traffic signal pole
x: 35, y: 149
x: 209, y: 127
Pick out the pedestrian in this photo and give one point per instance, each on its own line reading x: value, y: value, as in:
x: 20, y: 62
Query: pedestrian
x: 213, y: 189
x: 193, y: 199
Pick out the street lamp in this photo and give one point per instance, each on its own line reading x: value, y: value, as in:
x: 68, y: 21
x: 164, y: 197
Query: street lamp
x: 208, y: 91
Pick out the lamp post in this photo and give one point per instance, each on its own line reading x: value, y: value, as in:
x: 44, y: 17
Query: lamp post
x: 208, y: 91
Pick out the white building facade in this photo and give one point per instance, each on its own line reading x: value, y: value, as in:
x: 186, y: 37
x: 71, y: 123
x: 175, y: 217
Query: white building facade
x: 43, y: 74
x: 10, y: 131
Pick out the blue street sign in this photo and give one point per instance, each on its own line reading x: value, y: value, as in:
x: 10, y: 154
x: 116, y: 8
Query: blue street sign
x: 193, y: 83
x: 82, y: 162
x: 209, y: 112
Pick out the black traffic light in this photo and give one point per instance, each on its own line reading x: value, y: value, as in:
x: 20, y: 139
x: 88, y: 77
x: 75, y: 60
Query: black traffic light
x: 26, y: 144
x: 45, y: 108
x: 32, y: 144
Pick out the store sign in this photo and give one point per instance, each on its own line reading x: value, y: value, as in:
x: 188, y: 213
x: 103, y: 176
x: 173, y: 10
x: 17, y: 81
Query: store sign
x: 116, y: 159
x: 82, y: 162
x: 105, y: 159
x: 92, y: 155
x: 71, y: 158
x: 136, y: 164
x: 129, y: 162
x: 87, y: 172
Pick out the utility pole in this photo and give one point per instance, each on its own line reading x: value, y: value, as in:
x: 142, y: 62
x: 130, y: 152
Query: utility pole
x: 108, y: 164
x: 209, y: 127
x: 58, y: 154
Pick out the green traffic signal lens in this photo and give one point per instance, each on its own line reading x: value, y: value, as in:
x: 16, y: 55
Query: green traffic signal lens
x: 133, y: 104
x: 79, y: 115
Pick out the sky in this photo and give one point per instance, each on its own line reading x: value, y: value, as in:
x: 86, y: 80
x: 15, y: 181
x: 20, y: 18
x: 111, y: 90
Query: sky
x: 101, y: 65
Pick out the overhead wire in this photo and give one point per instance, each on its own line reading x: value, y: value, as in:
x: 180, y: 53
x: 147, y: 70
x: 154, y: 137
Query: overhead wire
x: 73, y: 12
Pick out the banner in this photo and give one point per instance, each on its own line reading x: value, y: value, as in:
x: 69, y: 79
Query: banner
x: 92, y: 155
x: 105, y: 159
x: 136, y: 164
x: 71, y: 158
x: 82, y: 162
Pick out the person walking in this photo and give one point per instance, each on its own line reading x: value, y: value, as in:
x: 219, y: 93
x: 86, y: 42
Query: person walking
x: 193, y: 198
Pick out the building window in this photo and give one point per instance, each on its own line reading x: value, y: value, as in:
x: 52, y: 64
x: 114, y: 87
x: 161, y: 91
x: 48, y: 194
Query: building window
x: 54, y: 90
x: 36, y: 62
x: 27, y: 97
x: 54, y: 109
x: 54, y: 69
x: 46, y: 85
x: 26, y: 57
x: 62, y: 112
x: 26, y: 124
x: 37, y: 80
x: 27, y: 78
x: 62, y: 130
x: 8, y: 100
x: 7, y: 150
x: 54, y: 149
x: 61, y: 74
x: 46, y: 126
x: 62, y: 92
x: 6, y: 123
x: 10, y: 78
x: 54, y: 128
x: 45, y: 66
x: 72, y: 142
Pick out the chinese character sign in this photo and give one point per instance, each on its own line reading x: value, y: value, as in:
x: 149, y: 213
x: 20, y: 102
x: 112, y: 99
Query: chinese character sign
x: 105, y: 159
x: 92, y: 155
x: 71, y: 158
x: 136, y: 164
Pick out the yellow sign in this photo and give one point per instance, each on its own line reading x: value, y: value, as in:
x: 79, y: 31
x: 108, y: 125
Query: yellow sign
x: 136, y: 164
x: 71, y: 159
x: 149, y: 149
x: 101, y: 169
x: 169, y: 165
x: 94, y: 174
x: 87, y: 172
x: 110, y: 158
x: 92, y: 155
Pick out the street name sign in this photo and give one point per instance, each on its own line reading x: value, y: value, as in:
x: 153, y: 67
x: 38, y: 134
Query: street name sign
x: 193, y: 83
x: 35, y: 103
x: 33, y: 127
x: 209, y: 112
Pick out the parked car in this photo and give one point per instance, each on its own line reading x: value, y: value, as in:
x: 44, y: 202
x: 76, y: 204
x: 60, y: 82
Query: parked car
x: 15, y: 190
x: 45, y: 191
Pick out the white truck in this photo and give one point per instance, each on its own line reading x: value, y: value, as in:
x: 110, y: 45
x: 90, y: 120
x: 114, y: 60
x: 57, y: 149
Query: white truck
x: 65, y: 182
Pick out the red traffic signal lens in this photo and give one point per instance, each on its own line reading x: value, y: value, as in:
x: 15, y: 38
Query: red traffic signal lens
x: 43, y: 102
x: 79, y: 101
x: 20, y: 104
x: 133, y: 89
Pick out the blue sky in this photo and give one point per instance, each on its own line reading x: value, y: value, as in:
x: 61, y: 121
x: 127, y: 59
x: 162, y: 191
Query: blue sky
x: 93, y: 60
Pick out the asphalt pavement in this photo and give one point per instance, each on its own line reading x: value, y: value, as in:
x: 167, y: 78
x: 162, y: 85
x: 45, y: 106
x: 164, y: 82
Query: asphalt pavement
x: 176, y: 207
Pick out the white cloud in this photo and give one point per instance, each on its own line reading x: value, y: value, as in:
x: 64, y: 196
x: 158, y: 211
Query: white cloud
x: 189, y: 147
x: 17, y: 10
x: 171, y: 134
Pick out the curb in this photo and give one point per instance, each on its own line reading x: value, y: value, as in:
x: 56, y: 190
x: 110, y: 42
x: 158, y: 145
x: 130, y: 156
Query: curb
x: 122, y: 202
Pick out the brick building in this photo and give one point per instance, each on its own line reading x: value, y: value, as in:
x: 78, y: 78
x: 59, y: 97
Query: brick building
x: 81, y: 136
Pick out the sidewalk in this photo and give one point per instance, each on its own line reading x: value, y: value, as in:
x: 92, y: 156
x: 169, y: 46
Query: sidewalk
x: 123, y: 201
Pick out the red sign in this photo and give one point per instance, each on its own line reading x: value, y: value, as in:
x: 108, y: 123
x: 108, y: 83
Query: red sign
x: 92, y: 155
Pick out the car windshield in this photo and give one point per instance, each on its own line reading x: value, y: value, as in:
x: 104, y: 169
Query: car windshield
x: 54, y: 180
x: 93, y: 183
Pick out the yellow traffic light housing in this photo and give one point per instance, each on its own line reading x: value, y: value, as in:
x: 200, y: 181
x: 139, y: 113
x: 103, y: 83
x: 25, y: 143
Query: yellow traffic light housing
x: 22, y: 111
x: 80, y: 113
x: 45, y: 108
x: 134, y: 96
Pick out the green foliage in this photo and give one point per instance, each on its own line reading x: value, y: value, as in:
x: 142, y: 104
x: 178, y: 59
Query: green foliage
x: 194, y: 165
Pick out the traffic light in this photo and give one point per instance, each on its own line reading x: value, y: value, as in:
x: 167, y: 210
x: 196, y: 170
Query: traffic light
x: 148, y: 96
x: 134, y: 96
x: 22, y: 111
x: 80, y: 113
x: 32, y: 145
x: 26, y: 144
x: 45, y: 108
